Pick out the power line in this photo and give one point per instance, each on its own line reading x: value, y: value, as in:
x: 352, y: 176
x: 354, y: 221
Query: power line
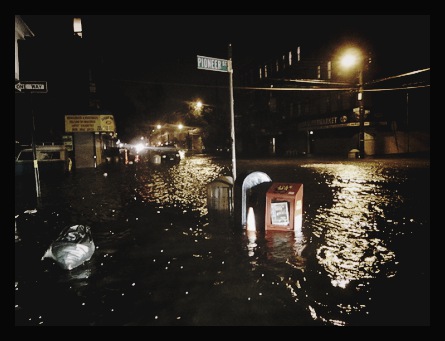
x: 398, y: 76
x: 293, y: 89
x: 401, y: 88
x: 328, y: 89
x: 314, y: 81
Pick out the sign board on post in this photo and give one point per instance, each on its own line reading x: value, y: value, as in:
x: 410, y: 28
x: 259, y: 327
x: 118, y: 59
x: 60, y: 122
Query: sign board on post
x: 89, y: 123
x: 68, y: 142
x: 213, y: 64
x: 39, y: 87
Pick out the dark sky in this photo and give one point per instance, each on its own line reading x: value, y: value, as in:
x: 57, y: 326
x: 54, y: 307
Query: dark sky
x: 131, y: 43
x: 162, y: 49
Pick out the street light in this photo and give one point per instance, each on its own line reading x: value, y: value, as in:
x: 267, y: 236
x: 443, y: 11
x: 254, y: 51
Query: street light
x: 353, y: 57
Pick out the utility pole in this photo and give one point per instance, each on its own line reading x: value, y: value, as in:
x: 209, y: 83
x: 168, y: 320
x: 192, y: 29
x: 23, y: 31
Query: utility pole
x: 232, y: 114
x: 361, y: 135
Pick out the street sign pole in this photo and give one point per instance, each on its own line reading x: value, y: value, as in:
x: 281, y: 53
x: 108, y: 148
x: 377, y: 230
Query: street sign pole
x: 34, y: 154
x: 223, y: 65
x: 32, y: 87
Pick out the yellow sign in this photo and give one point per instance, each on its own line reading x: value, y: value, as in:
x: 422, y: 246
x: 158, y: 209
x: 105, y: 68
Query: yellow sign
x: 89, y: 123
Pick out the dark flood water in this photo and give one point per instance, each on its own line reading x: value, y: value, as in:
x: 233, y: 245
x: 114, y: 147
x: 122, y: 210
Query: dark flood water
x: 361, y: 258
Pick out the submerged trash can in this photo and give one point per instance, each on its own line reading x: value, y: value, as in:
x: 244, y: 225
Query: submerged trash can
x: 155, y: 159
x: 220, y: 194
x: 353, y: 154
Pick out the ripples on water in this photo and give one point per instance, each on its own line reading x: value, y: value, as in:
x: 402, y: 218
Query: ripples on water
x: 161, y: 260
x: 355, y: 233
x: 179, y: 185
x: 347, y: 227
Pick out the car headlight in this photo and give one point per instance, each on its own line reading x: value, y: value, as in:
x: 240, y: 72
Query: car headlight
x: 164, y: 156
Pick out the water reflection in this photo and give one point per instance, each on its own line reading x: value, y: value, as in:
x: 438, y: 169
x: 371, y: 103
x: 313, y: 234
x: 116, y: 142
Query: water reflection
x: 251, y: 236
x: 286, y: 247
x: 183, y: 184
x: 351, y: 247
x: 349, y: 252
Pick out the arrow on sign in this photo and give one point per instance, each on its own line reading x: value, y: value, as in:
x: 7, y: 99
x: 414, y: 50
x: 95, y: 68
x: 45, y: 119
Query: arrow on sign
x: 19, y: 86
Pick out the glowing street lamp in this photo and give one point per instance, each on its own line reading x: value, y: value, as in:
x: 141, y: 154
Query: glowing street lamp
x: 180, y: 126
x: 349, y: 60
x: 354, y: 58
x: 198, y: 105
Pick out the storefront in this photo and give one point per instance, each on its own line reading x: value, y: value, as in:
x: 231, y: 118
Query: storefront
x: 339, y: 134
x: 91, y: 135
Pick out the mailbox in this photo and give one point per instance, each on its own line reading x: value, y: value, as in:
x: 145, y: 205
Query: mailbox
x: 284, y: 207
x: 250, y: 191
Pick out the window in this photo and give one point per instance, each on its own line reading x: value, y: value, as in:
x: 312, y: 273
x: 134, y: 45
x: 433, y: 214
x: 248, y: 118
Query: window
x: 77, y: 27
x: 26, y: 156
x: 277, y: 66
x: 279, y: 213
x: 329, y: 70
x: 265, y: 71
x: 290, y: 57
x: 272, y: 104
x: 298, y: 54
x: 47, y: 155
x: 261, y: 73
x: 328, y: 104
x: 319, y: 71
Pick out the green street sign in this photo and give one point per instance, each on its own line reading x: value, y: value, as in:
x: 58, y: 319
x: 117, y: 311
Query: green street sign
x: 213, y: 64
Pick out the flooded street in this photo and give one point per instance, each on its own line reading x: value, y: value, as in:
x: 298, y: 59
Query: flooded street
x: 361, y: 258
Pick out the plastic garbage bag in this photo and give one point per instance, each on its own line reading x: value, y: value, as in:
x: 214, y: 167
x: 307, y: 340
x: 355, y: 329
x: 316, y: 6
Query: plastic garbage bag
x: 72, y: 247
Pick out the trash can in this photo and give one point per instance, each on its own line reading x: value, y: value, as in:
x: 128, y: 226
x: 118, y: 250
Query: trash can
x: 220, y: 194
x: 353, y: 154
x: 155, y: 159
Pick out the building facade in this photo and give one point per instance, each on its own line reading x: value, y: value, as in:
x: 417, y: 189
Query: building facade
x: 22, y: 31
x: 62, y: 56
x: 299, y: 104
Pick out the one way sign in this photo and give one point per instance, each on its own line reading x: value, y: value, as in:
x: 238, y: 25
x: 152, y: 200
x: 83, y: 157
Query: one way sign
x: 22, y: 87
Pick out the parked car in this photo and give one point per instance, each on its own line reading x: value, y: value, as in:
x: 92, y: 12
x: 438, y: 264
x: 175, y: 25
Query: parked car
x: 164, y: 155
x: 51, y: 160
